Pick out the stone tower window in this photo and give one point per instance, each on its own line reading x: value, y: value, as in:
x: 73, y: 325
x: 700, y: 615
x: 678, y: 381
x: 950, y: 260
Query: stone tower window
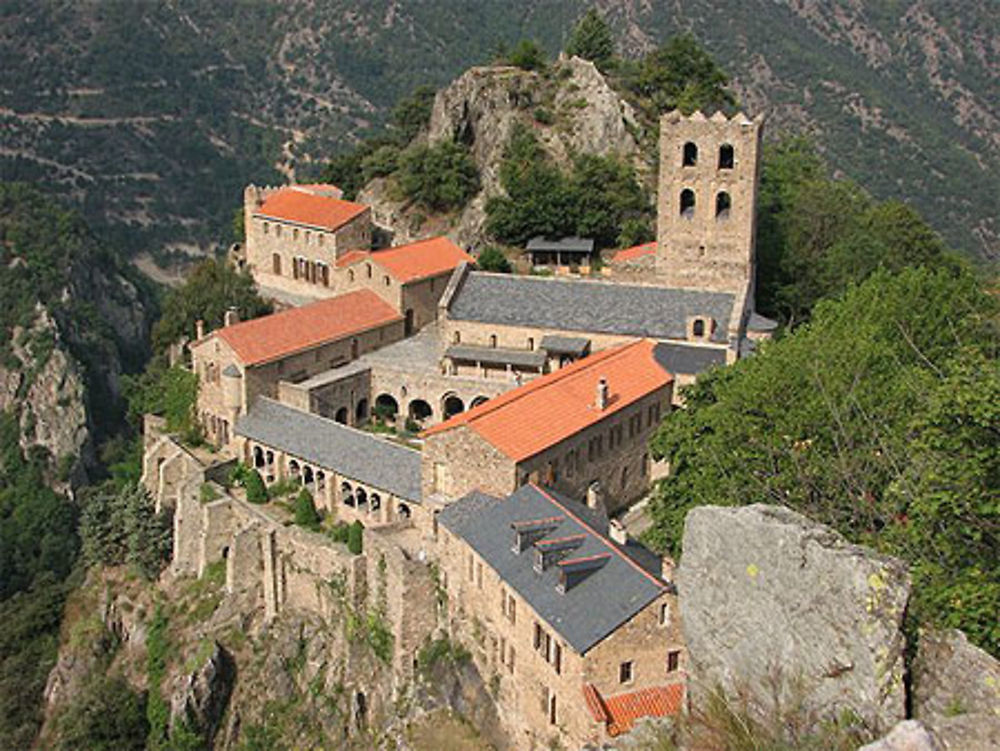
x: 726, y: 156
x: 687, y: 203
x: 723, y: 203
x: 368, y: 269
x: 690, y: 158
x: 350, y: 275
x: 265, y: 228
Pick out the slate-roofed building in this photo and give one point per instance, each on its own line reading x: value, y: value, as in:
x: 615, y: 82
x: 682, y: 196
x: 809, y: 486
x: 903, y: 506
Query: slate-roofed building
x: 585, y: 639
x: 351, y: 473
x: 585, y: 424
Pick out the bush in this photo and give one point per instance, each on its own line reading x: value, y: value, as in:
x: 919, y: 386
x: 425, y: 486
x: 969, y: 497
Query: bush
x: 305, y: 511
x: 492, y: 259
x: 412, y: 426
x: 441, y: 177
x: 107, y: 715
x: 527, y: 54
x: 591, y: 39
x: 544, y: 116
x: 341, y: 532
x: 255, y: 487
x: 355, y: 538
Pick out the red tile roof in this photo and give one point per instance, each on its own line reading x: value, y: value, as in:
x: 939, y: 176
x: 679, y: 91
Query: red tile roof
x: 292, y: 204
x: 550, y: 409
x: 634, y: 253
x: 419, y: 260
x: 297, y: 329
x: 620, y: 712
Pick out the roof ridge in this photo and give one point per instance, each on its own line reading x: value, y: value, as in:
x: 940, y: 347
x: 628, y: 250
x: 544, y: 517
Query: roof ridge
x: 502, y: 400
x: 600, y: 536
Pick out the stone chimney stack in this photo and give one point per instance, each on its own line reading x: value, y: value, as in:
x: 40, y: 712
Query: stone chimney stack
x: 667, y: 566
x: 231, y: 317
x: 617, y: 533
x: 199, y: 329
x: 602, y: 394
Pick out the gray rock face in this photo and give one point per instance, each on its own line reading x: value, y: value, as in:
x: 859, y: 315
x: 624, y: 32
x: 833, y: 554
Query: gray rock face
x: 200, y: 699
x: 908, y: 735
x: 957, y: 691
x: 780, y: 609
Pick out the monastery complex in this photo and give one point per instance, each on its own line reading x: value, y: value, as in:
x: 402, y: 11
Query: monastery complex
x: 487, y: 429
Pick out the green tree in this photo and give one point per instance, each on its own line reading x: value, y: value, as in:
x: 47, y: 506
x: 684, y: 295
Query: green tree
x: 681, y: 75
x: 441, y: 177
x: 253, y: 483
x: 305, y: 510
x: 824, y: 420
x: 107, y: 716
x: 592, y: 40
x: 170, y: 392
x: 491, y: 258
x: 606, y: 194
x: 527, y: 54
x: 355, y: 538
x: 412, y: 114
x: 123, y: 527
x: 213, y: 287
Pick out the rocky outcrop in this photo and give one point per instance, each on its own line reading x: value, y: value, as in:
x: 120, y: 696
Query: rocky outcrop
x: 956, y: 691
x: 199, y: 699
x: 779, y: 609
x: 908, y: 735
x: 571, y: 109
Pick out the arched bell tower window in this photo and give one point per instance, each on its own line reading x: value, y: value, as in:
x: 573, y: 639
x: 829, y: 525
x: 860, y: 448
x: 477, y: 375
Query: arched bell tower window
x: 726, y: 159
x: 723, y: 203
x: 687, y: 203
x: 690, y: 157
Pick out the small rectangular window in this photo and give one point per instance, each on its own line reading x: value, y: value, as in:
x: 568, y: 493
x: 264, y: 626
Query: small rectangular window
x: 557, y: 657
x: 538, y: 637
x: 673, y: 661
x: 479, y: 575
x: 625, y: 672
x: 665, y: 614
x: 510, y: 659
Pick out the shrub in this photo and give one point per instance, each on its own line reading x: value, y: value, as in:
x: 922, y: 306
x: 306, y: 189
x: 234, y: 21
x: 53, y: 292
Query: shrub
x: 305, y: 510
x: 340, y: 532
x: 528, y: 55
x: 544, y: 116
x: 255, y: 487
x: 440, y: 177
x: 492, y: 259
x: 107, y: 715
x: 355, y: 538
x: 412, y: 426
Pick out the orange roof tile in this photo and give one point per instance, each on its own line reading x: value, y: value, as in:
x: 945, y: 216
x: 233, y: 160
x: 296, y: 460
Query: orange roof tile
x: 293, y: 205
x: 350, y: 257
x: 635, y: 252
x: 296, y: 329
x: 419, y: 260
x: 621, y: 711
x: 540, y: 414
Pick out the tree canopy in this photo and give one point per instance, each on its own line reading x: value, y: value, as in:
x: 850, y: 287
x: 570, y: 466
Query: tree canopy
x: 592, y: 40
x: 440, y: 177
x: 878, y: 417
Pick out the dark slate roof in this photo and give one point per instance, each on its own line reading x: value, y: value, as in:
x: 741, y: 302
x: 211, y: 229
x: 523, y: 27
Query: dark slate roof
x: 757, y: 322
x: 353, y: 453
x: 566, y: 345
x: 688, y: 359
x: 589, y: 611
x: 565, y: 244
x: 581, y: 305
x: 527, y: 358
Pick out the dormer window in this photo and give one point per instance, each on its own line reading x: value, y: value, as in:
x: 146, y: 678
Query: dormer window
x: 700, y: 328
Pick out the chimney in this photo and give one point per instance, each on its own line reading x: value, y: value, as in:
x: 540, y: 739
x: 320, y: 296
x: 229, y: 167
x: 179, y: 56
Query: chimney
x: 667, y: 566
x: 617, y: 533
x: 231, y: 317
x: 602, y: 394
x: 199, y: 329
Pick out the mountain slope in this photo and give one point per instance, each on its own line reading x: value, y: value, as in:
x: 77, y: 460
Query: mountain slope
x: 153, y: 115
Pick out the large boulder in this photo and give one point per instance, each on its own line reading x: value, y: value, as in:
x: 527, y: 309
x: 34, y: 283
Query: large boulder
x: 908, y: 735
x: 781, y: 610
x: 956, y: 691
x: 199, y: 699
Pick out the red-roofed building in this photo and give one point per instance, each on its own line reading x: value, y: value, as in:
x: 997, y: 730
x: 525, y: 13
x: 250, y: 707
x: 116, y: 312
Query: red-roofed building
x: 636, y: 253
x: 586, y: 423
x: 241, y: 361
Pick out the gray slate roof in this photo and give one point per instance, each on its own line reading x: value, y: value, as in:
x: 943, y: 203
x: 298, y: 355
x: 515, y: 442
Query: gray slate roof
x: 564, y: 244
x: 358, y: 455
x: 566, y: 345
x: 687, y: 359
x: 580, y: 305
x: 757, y: 322
x: 526, y: 358
x: 589, y: 611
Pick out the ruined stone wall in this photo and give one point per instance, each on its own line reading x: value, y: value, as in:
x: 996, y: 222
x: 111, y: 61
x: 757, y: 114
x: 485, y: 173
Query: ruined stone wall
x: 706, y: 201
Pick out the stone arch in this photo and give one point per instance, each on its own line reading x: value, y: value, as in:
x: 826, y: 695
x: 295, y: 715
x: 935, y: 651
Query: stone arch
x: 723, y: 204
x: 420, y: 410
x: 689, y: 158
x: 727, y: 157
x: 361, y: 410
x: 360, y: 497
x: 320, y: 480
x: 307, y: 475
x: 478, y: 400
x: 258, y: 457
x: 451, y: 404
x: 386, y: 406
x: 269, y: 458
x: 374, y: 501
x: 687, y: 203
x: 294, y: 469
x: 493, y: 341
x: 347, y: 494
x: 341, y: 416
x: 403, y: 510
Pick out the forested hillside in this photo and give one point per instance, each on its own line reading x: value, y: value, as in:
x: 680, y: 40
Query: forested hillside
x: 153, y: 115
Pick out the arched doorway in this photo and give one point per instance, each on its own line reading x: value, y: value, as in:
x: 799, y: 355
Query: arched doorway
x: 361, y: 411
x: 420, y: 410
x: 375, y: 501
x: 451, y: 405
x: 346, y: 494
x: 477, y: 401
x: 360, y: 498
x: 403, y: 511
x: 258, y: 457
x: 341, y: 416
x: 386, y: 407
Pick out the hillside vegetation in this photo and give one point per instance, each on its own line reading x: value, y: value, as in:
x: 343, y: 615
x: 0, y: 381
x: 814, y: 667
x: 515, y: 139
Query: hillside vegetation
x: 152, y: 116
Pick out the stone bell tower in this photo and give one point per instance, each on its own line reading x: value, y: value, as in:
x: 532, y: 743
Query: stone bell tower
x: 709, y: 169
